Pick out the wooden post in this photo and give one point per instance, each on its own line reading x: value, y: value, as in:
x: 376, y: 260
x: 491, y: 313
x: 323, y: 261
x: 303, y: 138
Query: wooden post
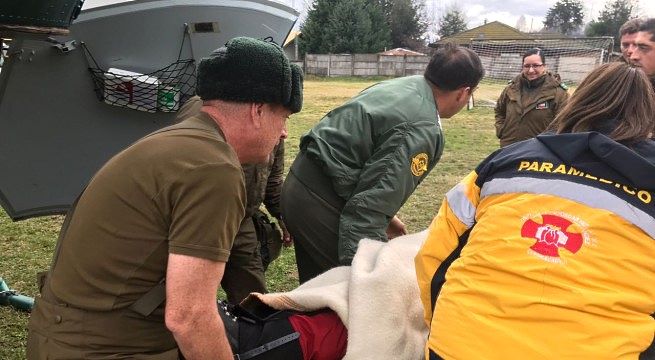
x: 405, y: 65
x: 329, y: 64
x: 295, y: 48
x: 378, y: 65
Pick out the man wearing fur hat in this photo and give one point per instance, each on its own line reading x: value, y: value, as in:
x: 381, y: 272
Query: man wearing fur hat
x: 245, y: 269
x: 142, y: 252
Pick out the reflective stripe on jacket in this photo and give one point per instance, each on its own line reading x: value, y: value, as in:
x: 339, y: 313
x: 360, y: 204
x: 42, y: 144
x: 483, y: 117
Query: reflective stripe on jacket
x: 545, y: 251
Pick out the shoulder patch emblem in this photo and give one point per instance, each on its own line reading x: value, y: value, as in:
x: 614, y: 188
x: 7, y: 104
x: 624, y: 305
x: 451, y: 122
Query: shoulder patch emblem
x: 419, y: 164
x: 563, y: 86
x: 543, y: 105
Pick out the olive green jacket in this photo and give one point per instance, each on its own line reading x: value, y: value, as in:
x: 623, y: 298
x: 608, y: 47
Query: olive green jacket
x: 523, y: 112
x: 264, y: 183
x: 376, y: 148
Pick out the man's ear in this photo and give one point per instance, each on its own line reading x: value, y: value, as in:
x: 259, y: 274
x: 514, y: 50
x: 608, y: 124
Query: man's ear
x: 463, y: 93
x: 257, y: 114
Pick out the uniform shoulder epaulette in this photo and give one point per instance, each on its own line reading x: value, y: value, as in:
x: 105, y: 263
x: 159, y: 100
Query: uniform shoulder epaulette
x: 563, y: 86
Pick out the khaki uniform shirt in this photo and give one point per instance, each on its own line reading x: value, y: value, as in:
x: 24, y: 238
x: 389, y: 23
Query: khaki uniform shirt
x: 181, y: 191
x: 263, y: 181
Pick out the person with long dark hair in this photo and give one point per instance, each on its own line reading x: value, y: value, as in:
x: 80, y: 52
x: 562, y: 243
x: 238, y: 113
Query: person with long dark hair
x: 546, y: 250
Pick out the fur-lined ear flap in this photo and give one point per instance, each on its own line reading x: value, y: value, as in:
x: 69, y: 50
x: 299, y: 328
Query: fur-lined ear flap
x: 245, y: 70
x: 295, y: 102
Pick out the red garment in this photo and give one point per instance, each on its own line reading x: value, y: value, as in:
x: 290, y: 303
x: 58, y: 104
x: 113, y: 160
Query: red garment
x: 322, y: 335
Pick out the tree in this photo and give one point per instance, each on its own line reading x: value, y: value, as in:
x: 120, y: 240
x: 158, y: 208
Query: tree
x: 565, y: 16
x: 350, y: 29
x: 521, y: 24
x: 335, y: 26
x: 313, y: 39
x: 452, y: 23
x: 610, y: 19
x: 380, y: 36
x: 407, y: 22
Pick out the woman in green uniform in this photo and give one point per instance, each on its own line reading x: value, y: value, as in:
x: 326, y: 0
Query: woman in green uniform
x: 530, y: 102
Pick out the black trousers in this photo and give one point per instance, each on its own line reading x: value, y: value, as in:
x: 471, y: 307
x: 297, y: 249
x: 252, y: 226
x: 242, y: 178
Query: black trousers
x: 311, y: 211
x: 260, y: 338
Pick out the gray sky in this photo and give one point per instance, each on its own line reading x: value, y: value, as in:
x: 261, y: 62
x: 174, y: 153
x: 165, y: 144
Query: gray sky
x: 505, y: 11
x: 476, y: 11
x: 509, y: 11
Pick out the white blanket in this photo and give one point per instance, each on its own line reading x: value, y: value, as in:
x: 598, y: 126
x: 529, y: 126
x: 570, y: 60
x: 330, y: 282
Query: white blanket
x: 377, y: 298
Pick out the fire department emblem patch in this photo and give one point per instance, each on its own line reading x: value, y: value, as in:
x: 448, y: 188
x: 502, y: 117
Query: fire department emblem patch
x: 553, y: 234
x: 419, y: 164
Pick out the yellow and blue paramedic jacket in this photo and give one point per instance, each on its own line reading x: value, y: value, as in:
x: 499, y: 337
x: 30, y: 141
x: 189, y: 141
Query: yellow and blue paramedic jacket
x: 545, y: 251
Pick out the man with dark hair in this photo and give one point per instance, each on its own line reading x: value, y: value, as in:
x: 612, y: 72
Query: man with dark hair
x: 361, y: 162
x: 627, y: 36
x: 142, y: 251
x: 644, y: 54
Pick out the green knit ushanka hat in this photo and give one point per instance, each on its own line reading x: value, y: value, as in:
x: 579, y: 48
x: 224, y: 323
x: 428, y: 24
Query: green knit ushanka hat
x: 250, y: 70
x: 295, y: 102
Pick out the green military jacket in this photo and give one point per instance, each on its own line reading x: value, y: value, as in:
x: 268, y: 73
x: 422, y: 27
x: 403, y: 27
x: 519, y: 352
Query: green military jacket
x: 377, y: 148
x: 525, y: 110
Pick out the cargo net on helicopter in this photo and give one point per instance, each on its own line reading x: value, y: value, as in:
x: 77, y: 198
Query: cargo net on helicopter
x: 162, y: 90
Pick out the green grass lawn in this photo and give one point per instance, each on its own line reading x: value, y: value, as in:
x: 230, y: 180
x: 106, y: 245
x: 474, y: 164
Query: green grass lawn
x: 26, y: 247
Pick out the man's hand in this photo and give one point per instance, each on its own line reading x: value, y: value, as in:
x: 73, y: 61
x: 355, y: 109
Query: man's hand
x: 191, y: 312
x: 287, y: 239
x: 396, y: 228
